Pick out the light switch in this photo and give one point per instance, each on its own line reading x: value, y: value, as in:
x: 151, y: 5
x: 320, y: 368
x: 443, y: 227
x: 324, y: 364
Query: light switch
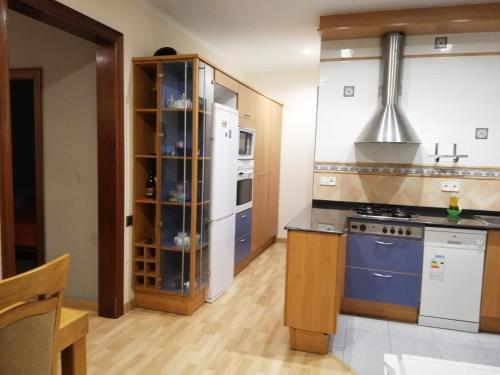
x: 328, y: 181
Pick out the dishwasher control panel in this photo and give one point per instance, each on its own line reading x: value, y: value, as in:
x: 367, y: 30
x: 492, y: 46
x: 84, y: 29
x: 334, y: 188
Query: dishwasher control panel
x: 386, y: 229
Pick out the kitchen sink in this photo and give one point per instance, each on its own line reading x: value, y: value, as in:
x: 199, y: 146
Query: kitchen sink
x: 489, y: 220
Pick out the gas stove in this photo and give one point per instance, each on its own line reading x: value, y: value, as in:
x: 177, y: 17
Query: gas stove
x: 384, y: 212
x: 385, y: 221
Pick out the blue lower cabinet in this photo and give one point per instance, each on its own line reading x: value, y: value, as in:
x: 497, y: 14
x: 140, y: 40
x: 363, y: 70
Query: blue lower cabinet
x: 384, y: 253
x: 243, y: 223
x: 242, y: 248
x: 382, y: 286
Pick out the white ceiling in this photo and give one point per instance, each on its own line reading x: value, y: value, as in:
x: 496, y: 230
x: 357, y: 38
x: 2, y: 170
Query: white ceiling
x: 261, y: 35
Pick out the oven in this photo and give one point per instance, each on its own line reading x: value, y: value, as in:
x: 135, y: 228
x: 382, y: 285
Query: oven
x: 246, y: 143
x: 244, y: 190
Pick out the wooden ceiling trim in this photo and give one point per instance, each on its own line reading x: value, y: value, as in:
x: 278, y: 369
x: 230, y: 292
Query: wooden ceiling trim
x: 417, y: 21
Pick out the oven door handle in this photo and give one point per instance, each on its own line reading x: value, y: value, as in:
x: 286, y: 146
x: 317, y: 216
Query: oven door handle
x: 383, y: 276
x: 384, y: 243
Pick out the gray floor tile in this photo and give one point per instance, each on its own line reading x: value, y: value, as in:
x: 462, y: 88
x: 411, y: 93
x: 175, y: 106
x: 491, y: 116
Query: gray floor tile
x: 488, y: 340
x: 463, y: 353
x: 413, y: 346
x: 367, y: 341
x: 365, y: 362
x: 337, y: 351
x: 409, y: 330
x: 493, y: 357
x: 455, y: 337
x: 369, y: 325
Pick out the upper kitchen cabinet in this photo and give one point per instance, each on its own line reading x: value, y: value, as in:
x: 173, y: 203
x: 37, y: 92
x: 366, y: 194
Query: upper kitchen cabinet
x: 226, y: 81
x: 249, y: 104
x: 490, y: 302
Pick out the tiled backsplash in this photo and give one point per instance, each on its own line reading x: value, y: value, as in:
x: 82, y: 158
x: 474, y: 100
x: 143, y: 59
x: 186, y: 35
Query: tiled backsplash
x: 445, y: 98
x: 480, y: 193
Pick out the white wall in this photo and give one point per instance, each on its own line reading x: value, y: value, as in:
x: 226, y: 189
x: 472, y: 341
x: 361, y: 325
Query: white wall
x: 69, y: 143
x: 445, y: 99
x: 296, y: 90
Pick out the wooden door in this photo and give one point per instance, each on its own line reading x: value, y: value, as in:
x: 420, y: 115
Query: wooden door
x: 490, y: 302
x: 274, y: 169
x: 27, y: 151
x: 261, y: 174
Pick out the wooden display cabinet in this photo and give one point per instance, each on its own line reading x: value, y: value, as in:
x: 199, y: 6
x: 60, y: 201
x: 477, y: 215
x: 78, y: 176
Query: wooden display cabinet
x: 173, y: 99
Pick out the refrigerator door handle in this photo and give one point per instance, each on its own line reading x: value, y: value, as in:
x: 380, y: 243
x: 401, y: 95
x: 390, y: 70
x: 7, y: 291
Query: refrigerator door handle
x: 221, y: 218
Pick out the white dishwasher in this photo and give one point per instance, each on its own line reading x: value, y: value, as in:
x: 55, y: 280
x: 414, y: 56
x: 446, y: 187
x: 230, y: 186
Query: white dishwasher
x: 452, y: 278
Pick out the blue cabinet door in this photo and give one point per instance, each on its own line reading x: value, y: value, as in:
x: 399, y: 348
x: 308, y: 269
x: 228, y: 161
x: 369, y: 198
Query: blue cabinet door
x: 385, y: 253
x: 243, y: 223
x: 380, y: 286
x: 242, y: 248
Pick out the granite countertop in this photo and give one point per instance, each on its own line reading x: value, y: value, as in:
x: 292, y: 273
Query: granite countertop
x: 331, y: 218
x: 327, y: 220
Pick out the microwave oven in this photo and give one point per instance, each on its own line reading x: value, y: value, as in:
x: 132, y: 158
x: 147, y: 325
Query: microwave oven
x: 246, y: 143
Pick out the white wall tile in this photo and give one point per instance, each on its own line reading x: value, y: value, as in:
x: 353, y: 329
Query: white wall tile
x: 445, y: 99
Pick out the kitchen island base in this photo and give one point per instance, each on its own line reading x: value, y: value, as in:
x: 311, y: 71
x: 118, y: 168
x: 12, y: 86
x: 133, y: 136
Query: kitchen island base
x: 307, y: 341
x: 315, y: 272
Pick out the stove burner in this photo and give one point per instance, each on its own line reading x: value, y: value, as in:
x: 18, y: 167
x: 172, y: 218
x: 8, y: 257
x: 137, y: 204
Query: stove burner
x: 382, y: 211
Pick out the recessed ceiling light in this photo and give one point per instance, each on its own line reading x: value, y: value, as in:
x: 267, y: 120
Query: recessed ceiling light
x: 306, y: 51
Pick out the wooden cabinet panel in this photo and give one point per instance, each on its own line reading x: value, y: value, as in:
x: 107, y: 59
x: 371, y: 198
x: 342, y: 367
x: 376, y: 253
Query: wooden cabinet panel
x: 313, y: 270
x: 226, y: 81
x: 248, y: 103
x: 341, y: 272
x: 490, y: 303
x: 261, y: 173
x: 274, y: 169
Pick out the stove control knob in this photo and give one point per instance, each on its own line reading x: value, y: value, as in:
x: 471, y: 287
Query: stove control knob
x: 400, y: 231
x: 408, y: 231
x: 384, y: 230
x: 393, y: 230
x: 362, y: 227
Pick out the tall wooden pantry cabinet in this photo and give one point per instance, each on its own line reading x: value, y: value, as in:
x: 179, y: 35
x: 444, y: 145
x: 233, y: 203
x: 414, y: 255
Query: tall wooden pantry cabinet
x: 173, y: 98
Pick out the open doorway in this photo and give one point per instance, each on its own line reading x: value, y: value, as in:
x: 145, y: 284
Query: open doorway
x: 110, y: 163
x: 27, y: 163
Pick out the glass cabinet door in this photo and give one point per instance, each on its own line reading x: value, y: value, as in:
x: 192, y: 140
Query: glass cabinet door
x: 175, y: 171
x: 205, y: 103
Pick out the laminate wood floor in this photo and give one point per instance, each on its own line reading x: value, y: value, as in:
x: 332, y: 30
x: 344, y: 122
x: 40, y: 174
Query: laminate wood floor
x: 241, y: 333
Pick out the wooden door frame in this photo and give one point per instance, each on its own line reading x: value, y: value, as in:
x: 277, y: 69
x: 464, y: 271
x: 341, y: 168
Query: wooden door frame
x: 35, y: 74
x: 109, y: 66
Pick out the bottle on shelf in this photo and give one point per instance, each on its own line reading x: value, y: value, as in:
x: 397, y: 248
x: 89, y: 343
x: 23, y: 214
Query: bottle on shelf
x: 151, y: 184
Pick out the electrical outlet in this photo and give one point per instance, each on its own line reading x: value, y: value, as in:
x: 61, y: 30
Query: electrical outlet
x: 452, y: 186
x: 446, y: 186
x: 328, y: 181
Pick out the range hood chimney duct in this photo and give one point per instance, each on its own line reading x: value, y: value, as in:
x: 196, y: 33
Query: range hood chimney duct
x: 389, y: 124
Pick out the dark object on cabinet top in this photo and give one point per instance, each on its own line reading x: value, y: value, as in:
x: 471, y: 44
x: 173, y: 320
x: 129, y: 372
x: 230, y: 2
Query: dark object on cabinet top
x: 165, y: 51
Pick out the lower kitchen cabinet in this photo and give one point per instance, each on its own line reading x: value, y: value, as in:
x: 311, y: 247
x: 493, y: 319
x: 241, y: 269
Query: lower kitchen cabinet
x: 315, y: 270
x: 242, y: 247
x: 490, y: 302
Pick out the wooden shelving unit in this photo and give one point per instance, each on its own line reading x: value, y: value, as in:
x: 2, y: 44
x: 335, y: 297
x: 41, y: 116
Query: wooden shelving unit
x: 173, y: 144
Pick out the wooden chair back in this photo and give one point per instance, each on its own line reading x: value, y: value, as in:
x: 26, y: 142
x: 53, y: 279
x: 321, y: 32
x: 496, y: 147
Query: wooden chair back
x: 30, y: 310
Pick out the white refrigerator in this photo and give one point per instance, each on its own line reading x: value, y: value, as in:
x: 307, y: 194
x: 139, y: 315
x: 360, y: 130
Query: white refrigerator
x: 223, y: 200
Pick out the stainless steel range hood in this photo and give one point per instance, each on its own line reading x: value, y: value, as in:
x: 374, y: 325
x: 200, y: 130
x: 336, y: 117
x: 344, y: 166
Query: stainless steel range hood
x: 389, y: 124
